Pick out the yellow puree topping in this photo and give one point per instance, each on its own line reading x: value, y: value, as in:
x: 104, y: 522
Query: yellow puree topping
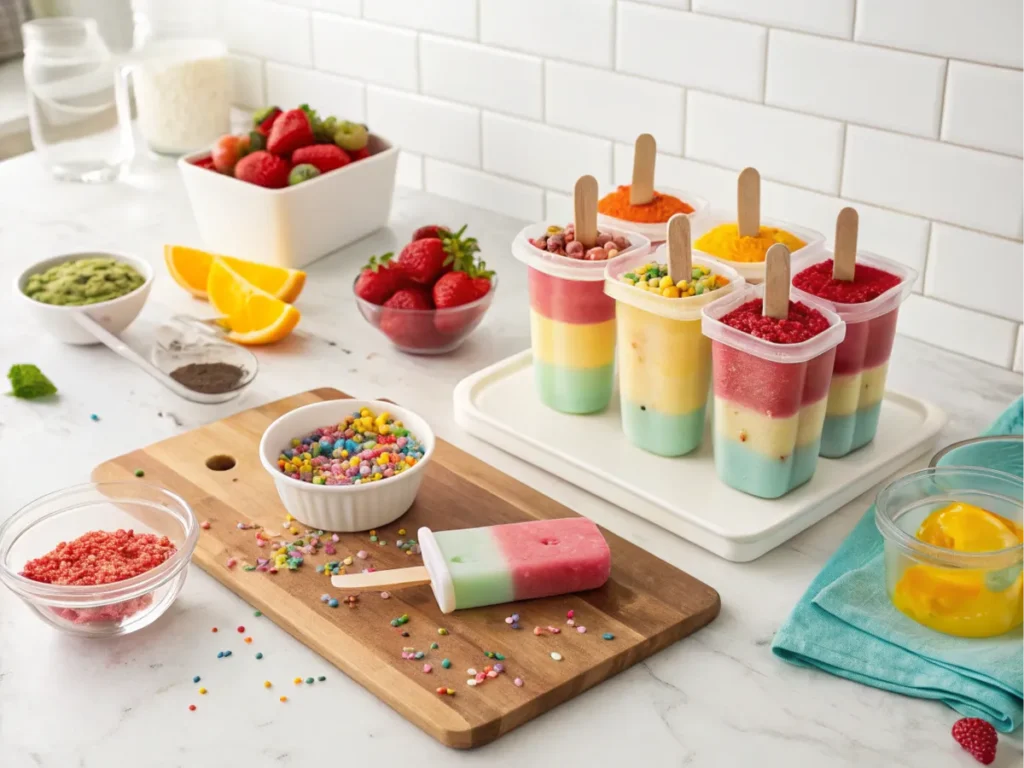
x: 724, y: 242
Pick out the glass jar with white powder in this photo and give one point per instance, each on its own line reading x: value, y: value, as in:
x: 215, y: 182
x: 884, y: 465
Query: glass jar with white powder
x: 181, y: 77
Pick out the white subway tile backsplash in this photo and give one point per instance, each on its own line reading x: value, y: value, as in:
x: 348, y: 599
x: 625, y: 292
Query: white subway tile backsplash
x: 578, y: 30
x: 328, y: 94
x: 346, y: 7
x: 973, y: 334
x: 450, y: 17
x: 247, y: 81
x: 485, y: 76
x: 689, y: 49
x: 824, y: 17
x: 371, y: 52
x: 617, y: 106
x: 861, y: 83
x: 984, y: 107
x: 1018, y: 357
x: 716, y: 185
x: 558, y: 208
x: 511, y: 198
x: 954, y: 251
x: 889, y: 234
x: 266, y: 29
x: 538, y: 154
x: 409, y: 172
x: 784, y: 146
x: 987, y: 31
x: 422, y: 124
x: 962, y: 186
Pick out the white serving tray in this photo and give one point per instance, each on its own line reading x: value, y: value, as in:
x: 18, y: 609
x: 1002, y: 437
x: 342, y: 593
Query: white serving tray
x: 682, y: 495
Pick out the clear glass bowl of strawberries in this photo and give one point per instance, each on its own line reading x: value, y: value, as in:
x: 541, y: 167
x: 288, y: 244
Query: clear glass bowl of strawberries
x: 429, y: 299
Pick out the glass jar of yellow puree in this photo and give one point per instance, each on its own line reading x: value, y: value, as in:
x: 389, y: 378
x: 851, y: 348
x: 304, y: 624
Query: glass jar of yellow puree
x: 953, y: 548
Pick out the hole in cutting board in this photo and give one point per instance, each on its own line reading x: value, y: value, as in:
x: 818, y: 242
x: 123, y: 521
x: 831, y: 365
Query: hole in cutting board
x: 220, y: 462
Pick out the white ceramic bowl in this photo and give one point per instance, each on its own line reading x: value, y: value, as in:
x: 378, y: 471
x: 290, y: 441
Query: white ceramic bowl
x: 293, y: 226
x: 114, y: 315
x: 344, y: 507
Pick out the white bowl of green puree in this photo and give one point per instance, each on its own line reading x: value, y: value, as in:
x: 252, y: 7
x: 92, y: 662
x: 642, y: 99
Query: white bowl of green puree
x: 109, y: 287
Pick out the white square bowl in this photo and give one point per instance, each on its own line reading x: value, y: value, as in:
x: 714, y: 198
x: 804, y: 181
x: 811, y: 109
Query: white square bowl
x: 293, y: 226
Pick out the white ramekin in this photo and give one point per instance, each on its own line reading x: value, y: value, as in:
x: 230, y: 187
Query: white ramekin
x: 344, y: 508
x: 114, y: 315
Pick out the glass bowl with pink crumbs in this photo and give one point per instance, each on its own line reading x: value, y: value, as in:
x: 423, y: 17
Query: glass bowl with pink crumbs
x: 99, y: 559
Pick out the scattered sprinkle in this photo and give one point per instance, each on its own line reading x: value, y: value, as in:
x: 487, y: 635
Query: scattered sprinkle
x: 259, y: 656
x: 324, y: 598
x: 94, y: 417
x: 442, y: 631
x: 191, y: 707
x: 248, y: 640
x: 471, y: 681
x: 232, y: 562
x: 283, y: 699
x: 140, y: 473
x: 361, y: 554
x: 297, y: 681
x: 470, y: 671
x: 266, y: 683
x: 581, y: 629
x: 427, y: 668
x: 570, y: 614
x: 205, y: 525
x: 434, y: 646
x: 241, y: 629
x: 384, y: 595
x: 554, y: 630
x: 403, y: 619
x: 309, y: 681
x: 202, y: 691
x: 571, y: 622
x: 220, y: 654
x: 257, y: 614
x: 538, y: 631
x: 499, y: 668
x: 196, y: 679
x: 446, y: 663
x: 321, y: 678
x: 213, y: 629
x: 608, y: 636
x: 519, y: 682
x: 401, y: 531
x: 333, y: 602
x: 227, y: 653
x: 556, y: 656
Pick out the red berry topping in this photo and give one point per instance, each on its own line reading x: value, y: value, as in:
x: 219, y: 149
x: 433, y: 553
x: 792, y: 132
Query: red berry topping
x: 977, y: 737
x: 868, y: 283
x: 263, y: 169
x: 324, y: 157
x: 802, y: 324
x: 431, y: 230
x: 290, y: 131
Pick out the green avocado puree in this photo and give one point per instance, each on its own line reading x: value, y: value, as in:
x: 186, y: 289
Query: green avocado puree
x: 83, y: 281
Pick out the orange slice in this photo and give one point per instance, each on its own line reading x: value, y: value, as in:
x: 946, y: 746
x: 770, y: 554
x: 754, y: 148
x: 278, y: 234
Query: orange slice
x: 190, y: 269
x: 253, y: 315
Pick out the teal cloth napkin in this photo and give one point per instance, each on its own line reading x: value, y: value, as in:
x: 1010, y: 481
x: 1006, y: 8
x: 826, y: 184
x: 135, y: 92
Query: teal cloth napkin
x: 845, y: 625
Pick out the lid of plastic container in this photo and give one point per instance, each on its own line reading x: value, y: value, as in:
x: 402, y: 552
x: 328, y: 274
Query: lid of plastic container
x: 674, y: 309
x: 707, y: 220
x: 573, y: 269
x: 865, y: 310
x: 801, y: 352
x: 654, y: 231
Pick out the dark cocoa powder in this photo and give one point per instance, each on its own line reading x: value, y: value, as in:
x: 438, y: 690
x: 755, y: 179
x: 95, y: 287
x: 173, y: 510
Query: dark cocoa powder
x: 209, y: 378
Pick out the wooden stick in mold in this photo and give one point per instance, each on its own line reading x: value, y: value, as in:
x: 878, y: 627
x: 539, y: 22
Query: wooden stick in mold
x: 844, y: 264
x: 679, y: 250
x: 645, y: 150
x: 776, y: 283
x: 585, y: 203
x: 748, y: 202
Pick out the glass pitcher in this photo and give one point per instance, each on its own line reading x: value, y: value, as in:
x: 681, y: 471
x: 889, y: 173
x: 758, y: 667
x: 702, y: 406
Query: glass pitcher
x: 80, y: 126
x: 182, y: 78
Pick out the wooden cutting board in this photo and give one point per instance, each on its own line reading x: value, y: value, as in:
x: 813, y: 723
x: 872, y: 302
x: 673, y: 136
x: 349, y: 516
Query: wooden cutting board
x: 647, y: 604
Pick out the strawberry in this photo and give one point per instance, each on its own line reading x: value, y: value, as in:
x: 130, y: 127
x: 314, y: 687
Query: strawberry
x: 431, y: 230
x: 264, y: 120
x: 409, y: 330
x: 454, y: 289
x: 291, y: 130
x: 228, y: 151
x: 977, y: 737
x: 326, y: 157
x: 360, y: 154
x: 425, y: 260
x: 204, y: 162
x: 263, y: 169
x: 380, y: 279
x: 482, y: 286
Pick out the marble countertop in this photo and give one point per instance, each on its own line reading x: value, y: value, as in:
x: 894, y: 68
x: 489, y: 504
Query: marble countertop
x: 718, y: 698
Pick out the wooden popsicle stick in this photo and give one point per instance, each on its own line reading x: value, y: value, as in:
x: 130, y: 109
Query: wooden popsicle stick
x: 748, y: 202
x: 776, y: 282
x: 844, y: 264
x: 680, y: 255
x: 645, y: 151
x: 396, y: 578
x: 585, y: 203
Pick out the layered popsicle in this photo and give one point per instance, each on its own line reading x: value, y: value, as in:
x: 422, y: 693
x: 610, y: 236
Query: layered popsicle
x: 869, y: 305
x: 664, y: 359
x: 496, y: 564
x: 572, y: 322
x: 770, y: 385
